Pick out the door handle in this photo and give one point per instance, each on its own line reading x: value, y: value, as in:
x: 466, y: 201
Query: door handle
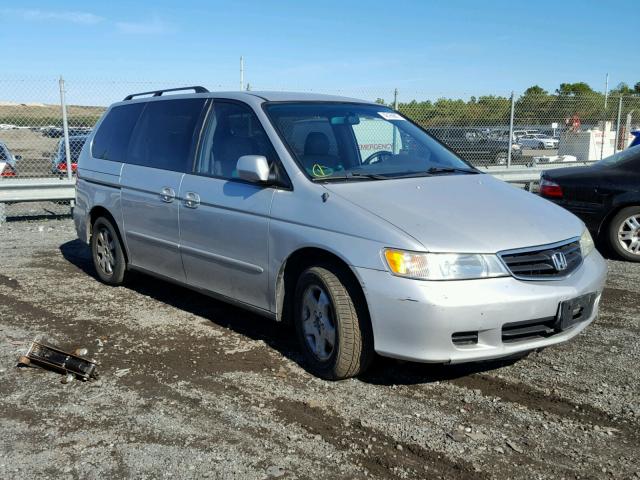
x: 191, y: 200
x: 167, y: 194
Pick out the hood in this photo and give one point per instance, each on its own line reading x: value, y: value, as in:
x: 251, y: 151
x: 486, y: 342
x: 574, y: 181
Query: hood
x: 463, y: 213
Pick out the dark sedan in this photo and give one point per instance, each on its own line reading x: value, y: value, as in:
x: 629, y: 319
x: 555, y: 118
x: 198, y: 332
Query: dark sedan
x: 606, y: 196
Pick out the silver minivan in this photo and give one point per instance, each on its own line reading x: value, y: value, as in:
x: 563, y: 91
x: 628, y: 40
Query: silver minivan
x: 339, y: 216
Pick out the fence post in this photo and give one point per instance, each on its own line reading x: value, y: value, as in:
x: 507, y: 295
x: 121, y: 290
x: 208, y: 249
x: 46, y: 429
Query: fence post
x: 615, y: 147
x: 513, y: 102
x: 65, y: 128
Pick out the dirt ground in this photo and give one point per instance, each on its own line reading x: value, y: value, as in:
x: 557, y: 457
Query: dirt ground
x: 193, y: 388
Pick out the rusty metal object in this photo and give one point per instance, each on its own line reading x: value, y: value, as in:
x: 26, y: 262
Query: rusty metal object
x: 55, y: 359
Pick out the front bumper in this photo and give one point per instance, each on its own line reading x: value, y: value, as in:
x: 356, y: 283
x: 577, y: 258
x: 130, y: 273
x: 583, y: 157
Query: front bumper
x: 415, y: 320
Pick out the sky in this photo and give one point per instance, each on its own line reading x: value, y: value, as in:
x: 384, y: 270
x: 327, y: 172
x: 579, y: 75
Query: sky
x: 363, y: 48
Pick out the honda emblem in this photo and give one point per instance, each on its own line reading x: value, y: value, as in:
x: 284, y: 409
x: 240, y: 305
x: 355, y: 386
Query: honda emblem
x: 559, y: 261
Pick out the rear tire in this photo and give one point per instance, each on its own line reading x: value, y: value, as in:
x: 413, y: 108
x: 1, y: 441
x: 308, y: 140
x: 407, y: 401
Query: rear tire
x: 501, y: 158
x: 107, y: 252
x: 624, y: 233
x: 331, y: 323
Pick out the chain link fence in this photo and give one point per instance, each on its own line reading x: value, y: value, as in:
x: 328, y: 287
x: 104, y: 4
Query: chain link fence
x: 494, y: 131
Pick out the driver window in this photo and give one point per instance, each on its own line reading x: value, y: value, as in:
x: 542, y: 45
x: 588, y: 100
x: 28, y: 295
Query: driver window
x: 233, y: 130
x: 375, y: 135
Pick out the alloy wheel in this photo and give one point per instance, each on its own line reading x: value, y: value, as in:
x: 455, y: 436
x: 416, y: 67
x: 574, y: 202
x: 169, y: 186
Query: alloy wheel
x: 105, y: 251
x: 629, y: 234
x: 318, y: 322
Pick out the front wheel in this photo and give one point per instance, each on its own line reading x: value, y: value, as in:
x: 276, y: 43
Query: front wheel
x: 624, y: 233
x: 107, y: 252
x: 501, y: 158
x: 331, y: 324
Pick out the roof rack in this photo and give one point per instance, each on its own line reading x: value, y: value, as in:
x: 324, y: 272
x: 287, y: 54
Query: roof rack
x: 158, y: 93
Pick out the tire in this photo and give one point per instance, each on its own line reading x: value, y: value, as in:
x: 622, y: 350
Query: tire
x: 326, y: 300
x: 107, y: 253
x: 541, y: 146
x: 501, y: 158
x: 624, y: 228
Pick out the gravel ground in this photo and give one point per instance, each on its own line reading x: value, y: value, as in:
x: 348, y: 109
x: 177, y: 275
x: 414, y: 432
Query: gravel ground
x: 194, y: 388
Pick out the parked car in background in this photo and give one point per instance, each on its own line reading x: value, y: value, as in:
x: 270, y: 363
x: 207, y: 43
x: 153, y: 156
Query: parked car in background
x: 539, y: 141
x: 518, y: 134
x: 338, y: 215
x: 476, y: 146
x: 606, y: 196
x: 51, y: 132
x: 7, y: 162
x: 59, y: 159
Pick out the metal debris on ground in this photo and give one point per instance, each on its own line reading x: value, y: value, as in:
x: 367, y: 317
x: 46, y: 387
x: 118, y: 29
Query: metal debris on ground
x: 52, y: 358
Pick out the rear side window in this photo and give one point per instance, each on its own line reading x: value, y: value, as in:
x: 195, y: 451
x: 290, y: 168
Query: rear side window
x: 164, y: 134
x: 112, y: 138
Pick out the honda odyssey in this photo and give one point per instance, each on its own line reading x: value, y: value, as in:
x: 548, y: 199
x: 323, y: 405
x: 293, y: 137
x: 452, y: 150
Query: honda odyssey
x: 338, y: 215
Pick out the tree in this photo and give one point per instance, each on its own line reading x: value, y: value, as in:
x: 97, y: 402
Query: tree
x: 579, y: 88
x: 535, y: 90
x: 636, y: 87
x: 622, y: 89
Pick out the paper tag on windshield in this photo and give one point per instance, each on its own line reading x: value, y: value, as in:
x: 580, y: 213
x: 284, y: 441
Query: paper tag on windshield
x: 390, y: 116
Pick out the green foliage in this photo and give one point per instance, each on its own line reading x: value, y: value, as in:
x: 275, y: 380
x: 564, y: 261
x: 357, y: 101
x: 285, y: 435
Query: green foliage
x: 579, y: 88
x: 534, y: 107
x: 535, y: 90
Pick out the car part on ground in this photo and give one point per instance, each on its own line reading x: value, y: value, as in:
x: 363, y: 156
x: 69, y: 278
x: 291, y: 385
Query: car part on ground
x: 53, y: 358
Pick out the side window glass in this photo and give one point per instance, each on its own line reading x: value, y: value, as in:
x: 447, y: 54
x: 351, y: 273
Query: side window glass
x: 164, y: 134
x: 233, y: 130
x: 112, y: 138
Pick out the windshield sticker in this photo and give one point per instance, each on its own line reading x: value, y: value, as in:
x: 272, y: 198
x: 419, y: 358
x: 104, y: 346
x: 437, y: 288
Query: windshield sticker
x: 390, y: 116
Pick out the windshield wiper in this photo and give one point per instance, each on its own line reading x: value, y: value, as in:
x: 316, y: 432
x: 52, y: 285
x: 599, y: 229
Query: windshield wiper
x: 352, y: 176
x: 439, y: 170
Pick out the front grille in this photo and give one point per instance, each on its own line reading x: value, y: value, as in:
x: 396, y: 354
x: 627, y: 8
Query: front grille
x: 517, y: 331
x: 538, y: 263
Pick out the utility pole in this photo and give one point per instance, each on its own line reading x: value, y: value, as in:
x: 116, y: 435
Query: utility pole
x: 604, y: 120
x: 241, y: 73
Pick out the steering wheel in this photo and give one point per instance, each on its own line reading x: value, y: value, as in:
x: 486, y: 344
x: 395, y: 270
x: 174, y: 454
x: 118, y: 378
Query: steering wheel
x: 372, y: 158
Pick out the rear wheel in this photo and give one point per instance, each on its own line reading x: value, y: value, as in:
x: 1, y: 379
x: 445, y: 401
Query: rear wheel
x: 541, y: 146
x: 624, y: 233
x: 107, y: 252
x: 331, y: 324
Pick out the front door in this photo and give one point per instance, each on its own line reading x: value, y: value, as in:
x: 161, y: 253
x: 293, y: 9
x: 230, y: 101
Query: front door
x: 224, y: 221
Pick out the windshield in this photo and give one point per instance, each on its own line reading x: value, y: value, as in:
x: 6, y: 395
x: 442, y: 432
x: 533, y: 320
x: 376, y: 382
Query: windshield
x: 621, y: 157
x: 344, y: 141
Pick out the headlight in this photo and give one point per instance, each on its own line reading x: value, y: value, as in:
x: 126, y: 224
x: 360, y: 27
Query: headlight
x: 443, y: 266
x: 586, y: 243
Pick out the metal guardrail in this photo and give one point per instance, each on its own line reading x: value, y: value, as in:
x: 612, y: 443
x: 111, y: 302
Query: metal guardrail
x: 517, y: 174
x: 36, y: 189
x: 13, y: 190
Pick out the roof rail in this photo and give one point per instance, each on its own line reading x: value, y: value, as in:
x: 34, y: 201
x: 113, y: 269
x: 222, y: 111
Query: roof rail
x: 158, y: 93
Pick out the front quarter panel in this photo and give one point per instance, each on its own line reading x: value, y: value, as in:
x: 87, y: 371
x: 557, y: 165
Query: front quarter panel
x: 304, y: 219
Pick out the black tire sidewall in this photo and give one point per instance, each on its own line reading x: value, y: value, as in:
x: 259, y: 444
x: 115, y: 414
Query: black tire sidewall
x: 323, y: 368
x: 614, y: 226
x: 117, y: 276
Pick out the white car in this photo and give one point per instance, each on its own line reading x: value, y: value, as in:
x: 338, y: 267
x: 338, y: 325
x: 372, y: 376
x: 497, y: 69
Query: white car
x: 538, y: 140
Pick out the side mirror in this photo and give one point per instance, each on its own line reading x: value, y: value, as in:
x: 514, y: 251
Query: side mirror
x: 253, y: 168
